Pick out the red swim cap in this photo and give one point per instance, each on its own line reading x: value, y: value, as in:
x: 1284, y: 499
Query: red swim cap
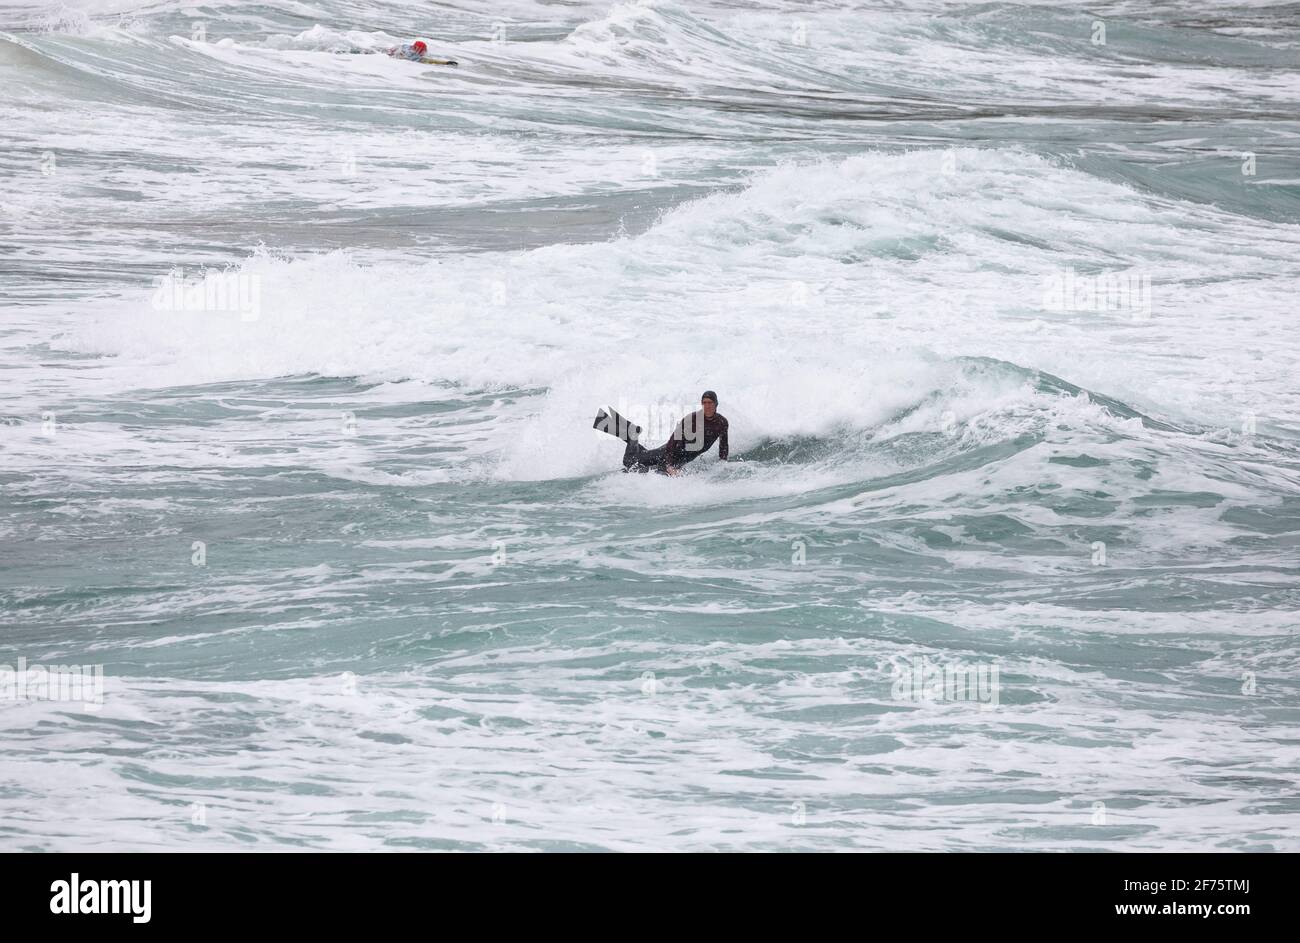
x: 419, y: 46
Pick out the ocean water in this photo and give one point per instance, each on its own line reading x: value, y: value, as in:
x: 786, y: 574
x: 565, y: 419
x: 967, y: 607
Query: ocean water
x: 301, y: 349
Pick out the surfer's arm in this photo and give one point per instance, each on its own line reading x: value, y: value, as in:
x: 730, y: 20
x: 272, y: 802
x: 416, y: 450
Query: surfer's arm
x: 722, y: 445
x: 676, y: 442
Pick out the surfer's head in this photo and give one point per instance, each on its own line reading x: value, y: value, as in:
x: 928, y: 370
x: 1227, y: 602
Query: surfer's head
x: 419, y: 46
x: 709, y: 400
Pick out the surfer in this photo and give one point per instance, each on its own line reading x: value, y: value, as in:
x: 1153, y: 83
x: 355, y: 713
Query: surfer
x: 416, y: 53
x: 692, y: 437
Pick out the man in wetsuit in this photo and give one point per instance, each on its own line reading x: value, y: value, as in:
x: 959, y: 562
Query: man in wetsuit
x: 416, y: 52
x: 694, y: 435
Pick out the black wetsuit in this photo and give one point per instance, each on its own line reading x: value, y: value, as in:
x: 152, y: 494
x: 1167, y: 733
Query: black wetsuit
x: 693, y: 437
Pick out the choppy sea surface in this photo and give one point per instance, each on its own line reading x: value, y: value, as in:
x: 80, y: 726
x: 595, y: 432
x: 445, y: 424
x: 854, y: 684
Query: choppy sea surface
x: 1000, y: 301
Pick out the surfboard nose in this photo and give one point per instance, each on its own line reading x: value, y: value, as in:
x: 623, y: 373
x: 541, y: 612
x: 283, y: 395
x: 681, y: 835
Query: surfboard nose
x: 612, y: 423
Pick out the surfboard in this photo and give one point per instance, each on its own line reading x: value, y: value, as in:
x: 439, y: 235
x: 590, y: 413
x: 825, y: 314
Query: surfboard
x: 611, y: 422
